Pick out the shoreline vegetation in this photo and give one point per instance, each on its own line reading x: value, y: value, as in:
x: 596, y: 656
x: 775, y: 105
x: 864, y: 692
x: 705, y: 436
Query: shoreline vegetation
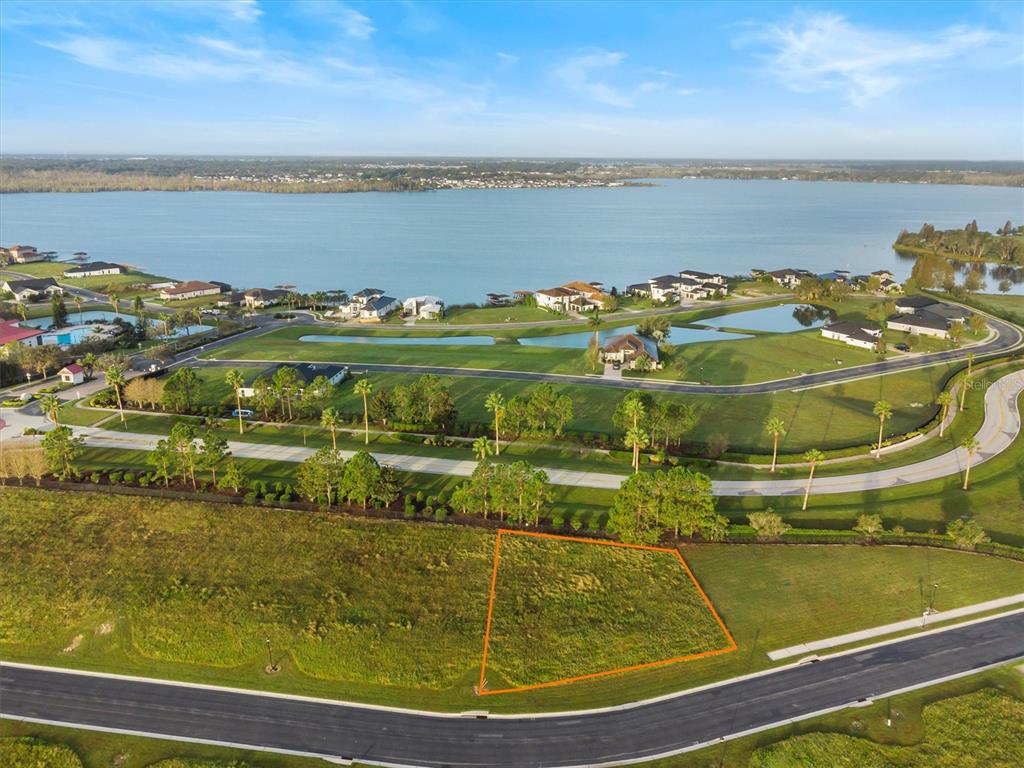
x: 341, y: 175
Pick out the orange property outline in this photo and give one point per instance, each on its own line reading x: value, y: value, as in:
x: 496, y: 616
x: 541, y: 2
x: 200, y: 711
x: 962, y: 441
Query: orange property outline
x: 482, y: 691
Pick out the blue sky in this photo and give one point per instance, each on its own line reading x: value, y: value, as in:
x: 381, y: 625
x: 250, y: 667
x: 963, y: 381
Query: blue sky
x: 769, y: 80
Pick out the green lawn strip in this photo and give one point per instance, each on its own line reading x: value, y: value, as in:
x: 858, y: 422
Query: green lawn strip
x: 71, y: 414
x: 1007, y: 307
x: 99, y: 283
x: 518, y: 313
x: 51, y: 746
x: 994, y: 500
x: 765, y: 357
x: 389, y: 612
x: 563, y: 609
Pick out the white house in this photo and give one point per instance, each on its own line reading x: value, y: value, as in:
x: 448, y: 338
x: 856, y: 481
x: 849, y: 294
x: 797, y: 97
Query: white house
x: 72, y: 373
x: 379, y: 308
x: 863, y: 335
x: 664, y: 288
x: 258, y: 298
x: 93, y: 269
x: 424, y: 307
x: 23, y: 254
x: 712, y: 282
x: 556, y: 299
x: 191, y: 289
x: 32, y: 289
x: 789, y: 278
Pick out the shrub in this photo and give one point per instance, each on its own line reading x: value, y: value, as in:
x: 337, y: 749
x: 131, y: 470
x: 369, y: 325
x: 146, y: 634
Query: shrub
x: 286, y: 495
x: 129, y: 478
x: 428, y: 511
x: 558, y: 519
x: 419, y: 497
x: 250, y: 498
x: 409, y: 512
x: 144, y: 480
x: 440, y: 514
x: 115, y: 477
x: 270, y: 498
x: 95, y: 477
x: 576, y: 523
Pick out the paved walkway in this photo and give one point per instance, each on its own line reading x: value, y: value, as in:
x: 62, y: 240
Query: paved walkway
x: 804, y: 649
x: 1001, y: 426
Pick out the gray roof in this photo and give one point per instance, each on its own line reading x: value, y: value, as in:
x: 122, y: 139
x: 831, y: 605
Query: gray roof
x: 94, y: 266
x: 859, y: 331
x: 382, y: 303
x: 916, y: 302
x: 33, y: 284
x: 922, y: 319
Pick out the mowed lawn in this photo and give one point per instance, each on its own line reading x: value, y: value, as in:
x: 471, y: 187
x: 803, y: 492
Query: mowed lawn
x: 554, y: 599
x: 764, y: 357
x: 394, y: 612
x: 284, y: 345
x: 518, y: 313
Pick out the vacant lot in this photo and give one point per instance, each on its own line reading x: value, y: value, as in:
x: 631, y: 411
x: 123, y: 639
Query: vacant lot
x: 568, y: 608
x: 394, y: 612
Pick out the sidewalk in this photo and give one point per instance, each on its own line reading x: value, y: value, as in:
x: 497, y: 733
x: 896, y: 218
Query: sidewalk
x: 805, y: 649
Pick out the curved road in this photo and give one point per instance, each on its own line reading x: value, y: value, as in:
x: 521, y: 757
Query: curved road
x: 1000, y: 428
x: 631, y: 733
x: 1008, y: 338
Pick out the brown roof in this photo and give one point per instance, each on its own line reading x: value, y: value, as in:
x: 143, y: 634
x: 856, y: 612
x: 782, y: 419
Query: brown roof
x: 190, y: 286
x: 580, y: 287
x: 627, y: 341
x: 557, y: 292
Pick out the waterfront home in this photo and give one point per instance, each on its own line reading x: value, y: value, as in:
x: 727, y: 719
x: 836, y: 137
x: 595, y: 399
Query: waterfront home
x: 638, y: 289
x: 922, y: 322
x: 260, y: 298
x: 94, y: 269
x: 23, y: 254
x: 192, y: 289
x: 32, y: 289
x: 789, y: 278
x: 556, y: 299
x: 379, y: 308
x: 837, y: 276
x: 307, y: 372
x: 12, y: 333
x: 888, y: 285
x: 423, y: 307
x: 663, y: 288
x: 882, y: 274
x: 628, y: 348
x: 72, y: 373
x: 707, y: 278
x: 863, y: 335
x: 498, y: 299
x: 909, y: 304
x: 230, y: 299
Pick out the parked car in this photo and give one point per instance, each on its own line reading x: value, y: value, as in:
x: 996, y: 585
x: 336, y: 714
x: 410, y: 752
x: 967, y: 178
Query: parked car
x: 616, y: 365
x: 245, y: 413
x: 902, y: 347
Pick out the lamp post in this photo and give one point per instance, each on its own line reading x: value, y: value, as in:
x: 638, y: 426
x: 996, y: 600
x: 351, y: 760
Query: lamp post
x: 271, y: 666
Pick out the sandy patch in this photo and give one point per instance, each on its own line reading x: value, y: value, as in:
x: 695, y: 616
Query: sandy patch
x: 105, y: 628
x: 73, y: 645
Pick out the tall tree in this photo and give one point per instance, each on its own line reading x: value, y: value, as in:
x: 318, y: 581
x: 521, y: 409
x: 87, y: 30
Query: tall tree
x: 812, y: 457
x: 50, y: 406
x: 236, y: 381
x: 61, y: 448
x: 636, y: 439
x: 775, y: 427
x: 330, y: 419
x: 945, y: 399
x: 114, y: 373
x: 364, y: 387
x: 883, y: 411
x: 970, y: 446
x: 495, y: 403
x: 113, y: 304
x: 214, y: 450
x: 481, y: 448
x: 361, y: 477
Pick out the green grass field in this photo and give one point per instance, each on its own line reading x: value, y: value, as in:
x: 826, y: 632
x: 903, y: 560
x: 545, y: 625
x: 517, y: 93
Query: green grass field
x: 103, y: 283
x: 518, y: 313
x: 551, y: 595
x: 394, y: 612
x: 1006, y: 306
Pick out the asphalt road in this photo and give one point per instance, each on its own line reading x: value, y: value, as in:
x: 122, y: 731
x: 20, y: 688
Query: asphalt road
x: 1008, y: 338
x: 599, y: 737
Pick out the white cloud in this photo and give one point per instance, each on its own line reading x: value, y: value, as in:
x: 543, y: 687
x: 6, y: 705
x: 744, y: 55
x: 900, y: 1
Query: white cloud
x: 227, y: 48
x: 825, y: 51
x: 507, y: 59
x: 577, y: 73
x: 352, y: 22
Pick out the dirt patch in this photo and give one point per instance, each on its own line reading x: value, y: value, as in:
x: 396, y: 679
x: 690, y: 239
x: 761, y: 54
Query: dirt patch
x: 73, y: 645
x: 105, y: 628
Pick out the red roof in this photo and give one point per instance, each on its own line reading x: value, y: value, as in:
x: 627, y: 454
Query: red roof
x: 73, y: 368
x: 11, y: 331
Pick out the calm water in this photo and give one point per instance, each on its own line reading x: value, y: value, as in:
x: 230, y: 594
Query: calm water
x: 781, y: 319
x: 461, y: 244
x: 99, y: 316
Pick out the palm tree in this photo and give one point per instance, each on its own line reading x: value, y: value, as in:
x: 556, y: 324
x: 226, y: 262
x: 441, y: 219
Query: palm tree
x: 482, y: 448
x: 971, y: 445
x: 113, y: 303
x: 775, y: 427
x: 495, y: 403
x: 364, y: 387
x: 78, y: 306
x: 50, y: 406
x: 633, y: 408
x: 883, y: 411
x: 812, y: 457
x: 637, y: 438
x: 115, y: 378
x: 595, y: 322
x: 330, y: 419
x: 945, y: 399
x: 22, y: 311
x: 236, y: 381
x: 88, y: 362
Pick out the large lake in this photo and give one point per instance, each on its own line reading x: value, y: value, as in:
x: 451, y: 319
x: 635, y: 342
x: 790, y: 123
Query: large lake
x: 462, y: 244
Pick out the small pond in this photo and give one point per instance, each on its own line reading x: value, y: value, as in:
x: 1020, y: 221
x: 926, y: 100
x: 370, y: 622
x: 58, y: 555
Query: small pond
x: 677, y: 336
x: 783, y: 318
